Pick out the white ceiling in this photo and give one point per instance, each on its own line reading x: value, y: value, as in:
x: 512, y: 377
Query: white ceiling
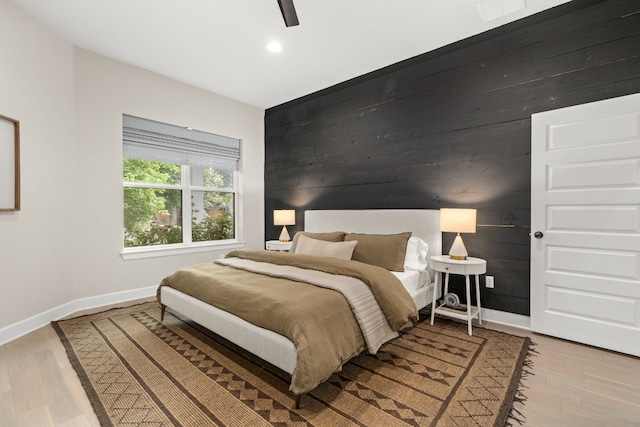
x: 220, y: 45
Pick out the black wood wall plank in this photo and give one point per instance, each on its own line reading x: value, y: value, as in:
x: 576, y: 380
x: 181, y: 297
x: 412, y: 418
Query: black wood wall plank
x: 451, y: 128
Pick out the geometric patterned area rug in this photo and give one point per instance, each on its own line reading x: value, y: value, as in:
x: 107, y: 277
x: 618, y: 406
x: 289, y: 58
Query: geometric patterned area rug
x: 138, y: 371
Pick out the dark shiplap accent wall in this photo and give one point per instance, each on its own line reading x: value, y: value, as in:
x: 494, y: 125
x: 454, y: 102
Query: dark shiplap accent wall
x: 451, y: 128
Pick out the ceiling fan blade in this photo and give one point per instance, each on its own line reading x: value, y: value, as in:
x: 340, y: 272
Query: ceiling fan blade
x: 288, y: 13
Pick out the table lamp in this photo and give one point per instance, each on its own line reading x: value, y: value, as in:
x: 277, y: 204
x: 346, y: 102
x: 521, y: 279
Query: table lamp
x: 458, y: 221
x: 284, y: 217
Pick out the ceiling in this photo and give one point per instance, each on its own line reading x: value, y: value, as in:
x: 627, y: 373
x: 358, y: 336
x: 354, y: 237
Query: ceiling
x: 220, y: 45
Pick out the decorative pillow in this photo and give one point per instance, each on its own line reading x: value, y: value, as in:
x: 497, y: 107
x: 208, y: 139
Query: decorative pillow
x: 334, y: 236
x: 416, y: 255
x: 340, y: 250
x: 384, y: 250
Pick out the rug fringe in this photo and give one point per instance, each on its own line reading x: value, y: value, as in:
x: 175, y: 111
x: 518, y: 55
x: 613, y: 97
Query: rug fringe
x: 514, y: 413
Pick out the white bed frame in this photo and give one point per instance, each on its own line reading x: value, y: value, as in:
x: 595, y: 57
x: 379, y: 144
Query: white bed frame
x: 275, y: 348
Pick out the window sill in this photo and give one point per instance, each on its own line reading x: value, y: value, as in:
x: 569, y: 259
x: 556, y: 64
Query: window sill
x: 170, y: 250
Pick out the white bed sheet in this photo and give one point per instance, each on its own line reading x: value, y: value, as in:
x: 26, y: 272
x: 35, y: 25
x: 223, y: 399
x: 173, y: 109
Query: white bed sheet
x: 413, y: 280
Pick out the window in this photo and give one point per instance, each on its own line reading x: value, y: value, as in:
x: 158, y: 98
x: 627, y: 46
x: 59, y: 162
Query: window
x: 179, y: 184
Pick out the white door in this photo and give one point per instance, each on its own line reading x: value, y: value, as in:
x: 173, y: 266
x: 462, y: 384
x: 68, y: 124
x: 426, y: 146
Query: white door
x: 585, y: 223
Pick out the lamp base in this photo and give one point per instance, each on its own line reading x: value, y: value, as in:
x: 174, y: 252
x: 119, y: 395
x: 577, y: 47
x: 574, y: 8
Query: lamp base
x: 458, y: 250
x: 284, y: 235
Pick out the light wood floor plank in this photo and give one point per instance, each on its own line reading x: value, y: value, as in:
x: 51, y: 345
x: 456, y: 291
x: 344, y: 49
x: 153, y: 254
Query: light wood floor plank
x: 7, y: 410
x: 5, y: 384
x: 80, y: 421
x: 570, y: 385
x: 28, y: 392
x: 36, y: 417
x: 613, y: 370
x: 62, y: 405
x: 595, y: 417
x: 623, y: 390
x: 18, y: 356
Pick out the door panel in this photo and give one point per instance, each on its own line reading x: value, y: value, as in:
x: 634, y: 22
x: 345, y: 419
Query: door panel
x: 620, y: 173
x: 589, y: 305
x: 623, y: 219
x: 609, y: 264
x: 594, y: 131
x: 585, y: 199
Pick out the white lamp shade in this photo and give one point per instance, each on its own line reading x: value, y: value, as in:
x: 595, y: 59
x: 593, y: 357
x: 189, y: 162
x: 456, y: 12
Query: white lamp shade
x: 458, y: 220
x: 284, y: 217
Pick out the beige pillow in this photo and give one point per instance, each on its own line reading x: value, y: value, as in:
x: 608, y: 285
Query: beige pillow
x: 321, y: 248
x: 334, y: 236
x: 383, y: 250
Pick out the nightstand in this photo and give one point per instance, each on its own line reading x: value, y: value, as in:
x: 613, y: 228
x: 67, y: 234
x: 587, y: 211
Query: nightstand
x: 277, y: 245
x: 467, y: 267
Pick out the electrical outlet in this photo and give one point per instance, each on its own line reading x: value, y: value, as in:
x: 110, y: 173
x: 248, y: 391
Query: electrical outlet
x: 489, y: 281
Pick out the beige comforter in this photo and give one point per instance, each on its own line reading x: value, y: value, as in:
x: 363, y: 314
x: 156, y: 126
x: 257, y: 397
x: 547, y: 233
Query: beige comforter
x: 317, y: 320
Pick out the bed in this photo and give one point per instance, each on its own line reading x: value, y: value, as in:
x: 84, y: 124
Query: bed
x: 275, y: 348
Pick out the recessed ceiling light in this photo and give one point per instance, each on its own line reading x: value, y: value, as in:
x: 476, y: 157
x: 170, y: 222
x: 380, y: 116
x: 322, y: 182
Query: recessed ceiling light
x: 274, y: 46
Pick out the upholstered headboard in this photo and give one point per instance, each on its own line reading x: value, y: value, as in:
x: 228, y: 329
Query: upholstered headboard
x: 423, y: 223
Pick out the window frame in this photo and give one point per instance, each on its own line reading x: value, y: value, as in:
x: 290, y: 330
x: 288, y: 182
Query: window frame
x: 187, y: 245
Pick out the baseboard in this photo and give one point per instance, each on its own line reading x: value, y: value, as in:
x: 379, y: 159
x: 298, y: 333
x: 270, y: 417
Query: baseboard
x: 23, y: 327
x: 505, y: 318
x: 18, y: 329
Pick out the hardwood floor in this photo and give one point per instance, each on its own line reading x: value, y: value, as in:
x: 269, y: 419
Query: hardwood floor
x: 577, y: 385
x: 570, y: 385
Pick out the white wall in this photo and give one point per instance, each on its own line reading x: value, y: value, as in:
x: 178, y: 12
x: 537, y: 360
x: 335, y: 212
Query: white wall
x: 36, y: 243
x: 65, y: 243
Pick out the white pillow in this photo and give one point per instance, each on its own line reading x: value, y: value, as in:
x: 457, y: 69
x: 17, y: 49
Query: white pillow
x: 416, y: 256
x: 321, y: 248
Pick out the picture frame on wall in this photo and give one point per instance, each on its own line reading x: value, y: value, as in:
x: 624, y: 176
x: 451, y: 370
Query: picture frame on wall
x: 9, y: 164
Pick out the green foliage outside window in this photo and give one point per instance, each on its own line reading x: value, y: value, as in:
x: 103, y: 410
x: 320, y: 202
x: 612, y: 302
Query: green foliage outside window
x: 153, y: 216
x: 218, y: 227
x: 153, y: 234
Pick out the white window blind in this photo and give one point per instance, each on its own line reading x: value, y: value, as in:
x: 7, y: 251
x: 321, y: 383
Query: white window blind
x: 150, y: 140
